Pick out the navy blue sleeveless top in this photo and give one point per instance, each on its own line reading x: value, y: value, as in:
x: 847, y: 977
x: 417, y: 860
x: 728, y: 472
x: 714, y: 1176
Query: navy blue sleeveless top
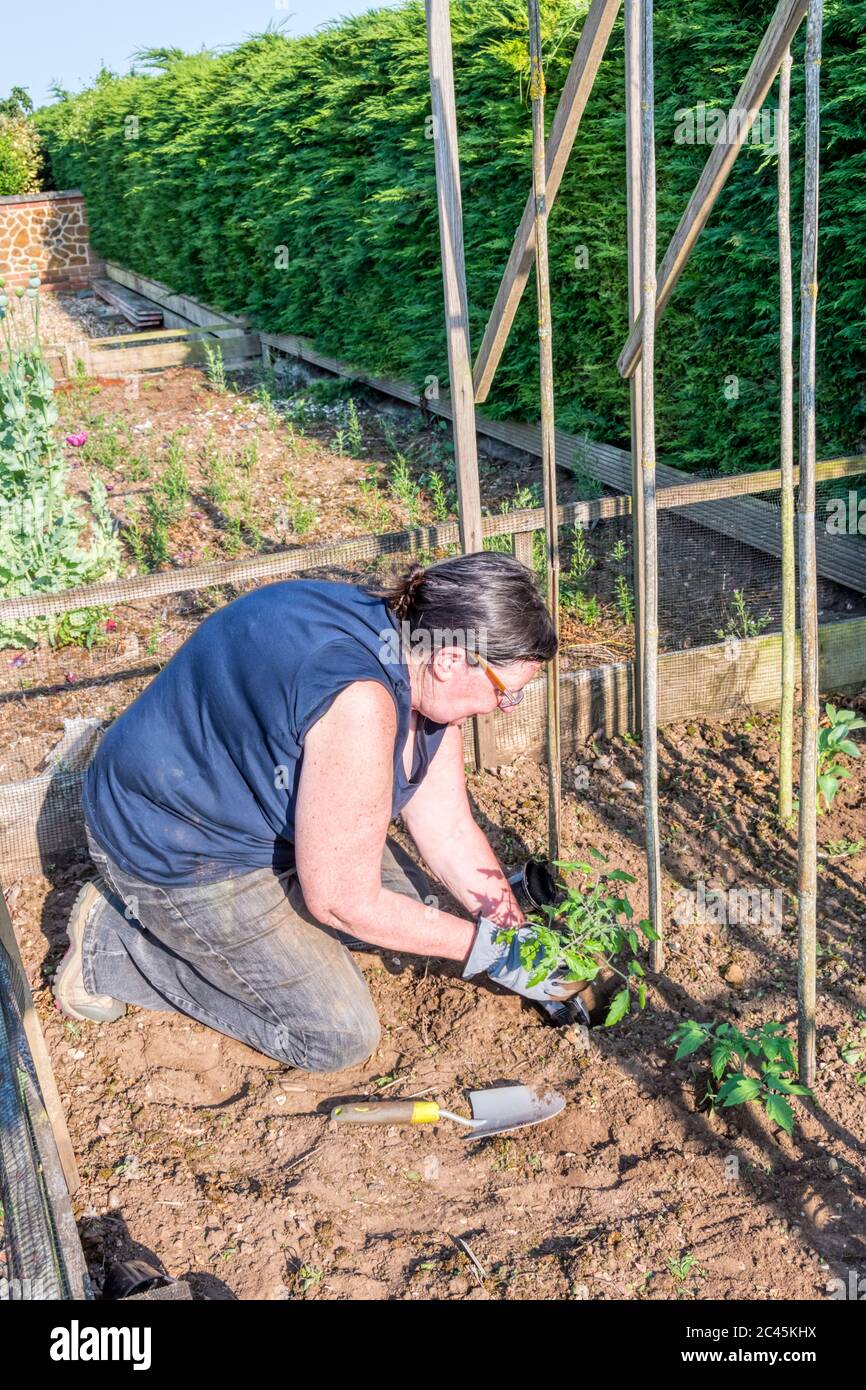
x: 197, y: 779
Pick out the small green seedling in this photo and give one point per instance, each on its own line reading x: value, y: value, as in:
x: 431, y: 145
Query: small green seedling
x: 768, y: 1051
x: 624, y: 600
x: 741, y: 622
x: 354, y: 433
x: 840, y: 849
x: 215, y: 369
x: 681, y: 1269
x: 586, y: 932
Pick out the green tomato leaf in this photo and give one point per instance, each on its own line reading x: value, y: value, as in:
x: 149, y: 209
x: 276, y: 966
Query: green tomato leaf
x: 739, y: 1088
x: 619, y: 1007
x: 780, y: 1112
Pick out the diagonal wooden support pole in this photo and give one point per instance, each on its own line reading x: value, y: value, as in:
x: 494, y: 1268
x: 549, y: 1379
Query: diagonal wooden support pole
x: 572, y: 103
x: 747, y: 104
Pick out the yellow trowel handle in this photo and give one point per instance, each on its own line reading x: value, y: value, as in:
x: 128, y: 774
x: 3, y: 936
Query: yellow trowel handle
x: 386, y: 1112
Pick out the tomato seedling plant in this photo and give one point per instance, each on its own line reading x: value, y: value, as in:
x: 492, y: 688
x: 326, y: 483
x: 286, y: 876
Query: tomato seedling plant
x: 585, y: 931
x: 834, y: 742
x: 766, y: 1049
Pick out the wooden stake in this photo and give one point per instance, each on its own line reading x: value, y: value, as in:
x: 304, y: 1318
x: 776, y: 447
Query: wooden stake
x: 633, y: 182
x: 548, y: 441
x: 807, y: 861
x: 648, y: 475
x: 454, y: 270
x: 456, y: 302
x: 786, y: 364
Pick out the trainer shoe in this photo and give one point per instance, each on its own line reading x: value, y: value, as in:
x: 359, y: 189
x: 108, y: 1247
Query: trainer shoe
x: 69, y: 990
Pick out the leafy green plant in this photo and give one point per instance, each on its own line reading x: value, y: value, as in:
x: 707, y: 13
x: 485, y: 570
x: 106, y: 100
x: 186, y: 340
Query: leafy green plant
x: 572, y: 584
x: 840, y: 849
x: 302, y: 515
x: 217, y: 477
x: 172, y: 489
x: 587, y: 610
x: 624, y: 600
x: 215, y: 369
x: 765, y: 1049
x: 438, y: 496
x: 372, y: 508
x: 586, y: 932
x: 146, y: 533
x: 264, y: 395
x: 248, y: 457
x: 835, y: 742
x: 354, y: 433
x: 741, y: 621
x: 405, y: 489
x: 42, y: 528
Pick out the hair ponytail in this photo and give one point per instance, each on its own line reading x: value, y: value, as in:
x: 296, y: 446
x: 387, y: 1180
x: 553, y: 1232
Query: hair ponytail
x: 486, y: 594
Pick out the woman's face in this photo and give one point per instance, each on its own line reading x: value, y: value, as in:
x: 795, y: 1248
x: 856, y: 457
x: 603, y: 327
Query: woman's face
x: 448, y: 689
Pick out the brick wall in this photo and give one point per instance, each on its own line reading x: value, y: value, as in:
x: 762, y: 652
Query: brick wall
x: 51, y: 230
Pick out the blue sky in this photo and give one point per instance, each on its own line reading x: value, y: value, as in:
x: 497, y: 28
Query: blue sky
x: 69, y: 40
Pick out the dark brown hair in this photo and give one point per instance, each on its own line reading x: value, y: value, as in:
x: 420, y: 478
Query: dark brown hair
x: 487, y: 594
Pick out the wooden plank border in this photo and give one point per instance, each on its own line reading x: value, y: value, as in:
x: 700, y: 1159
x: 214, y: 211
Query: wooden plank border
x: 709, y: 683
x: 38, y: 1050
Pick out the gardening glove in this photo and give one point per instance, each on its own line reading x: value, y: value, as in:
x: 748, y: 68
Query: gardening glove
x: 556, y: 996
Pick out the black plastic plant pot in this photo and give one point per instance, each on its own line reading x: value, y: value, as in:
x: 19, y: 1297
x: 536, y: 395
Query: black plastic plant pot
x: 535, y: 885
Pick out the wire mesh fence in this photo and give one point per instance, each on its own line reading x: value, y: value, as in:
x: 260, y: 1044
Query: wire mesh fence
x: 40, y: 1257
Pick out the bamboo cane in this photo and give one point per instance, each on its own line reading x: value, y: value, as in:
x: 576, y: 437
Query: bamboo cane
x: 548, y: 442
x: 807, y: 862
x: 786, y: 363
x: 632, y: 24
x: 648, y: 479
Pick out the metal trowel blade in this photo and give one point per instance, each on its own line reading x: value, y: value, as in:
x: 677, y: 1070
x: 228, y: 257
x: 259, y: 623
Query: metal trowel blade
x: 504, y: 1108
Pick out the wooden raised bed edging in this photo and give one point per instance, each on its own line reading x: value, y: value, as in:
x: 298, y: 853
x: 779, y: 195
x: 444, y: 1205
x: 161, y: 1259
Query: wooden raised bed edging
x: 716, y: 503
x: 719, y: 503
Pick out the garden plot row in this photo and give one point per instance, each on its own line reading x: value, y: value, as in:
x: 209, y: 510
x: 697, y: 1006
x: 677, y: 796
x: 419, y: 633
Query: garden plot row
x: 191, y: 334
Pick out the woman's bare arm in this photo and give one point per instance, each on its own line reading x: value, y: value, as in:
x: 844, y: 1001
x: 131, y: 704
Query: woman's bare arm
x: 341, y: 822
x: 440, y: 821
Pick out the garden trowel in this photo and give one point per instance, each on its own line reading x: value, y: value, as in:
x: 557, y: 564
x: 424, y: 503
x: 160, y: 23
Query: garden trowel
x: 495, y: 1111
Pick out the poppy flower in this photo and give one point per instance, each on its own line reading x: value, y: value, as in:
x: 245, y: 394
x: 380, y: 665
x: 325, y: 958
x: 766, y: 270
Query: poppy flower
x: 77, y: 440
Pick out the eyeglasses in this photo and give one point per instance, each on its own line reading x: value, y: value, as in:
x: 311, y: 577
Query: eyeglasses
x: 507, y: 698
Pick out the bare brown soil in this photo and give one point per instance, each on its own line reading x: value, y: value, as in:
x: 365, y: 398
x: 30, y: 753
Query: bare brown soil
x: 221, y: 1162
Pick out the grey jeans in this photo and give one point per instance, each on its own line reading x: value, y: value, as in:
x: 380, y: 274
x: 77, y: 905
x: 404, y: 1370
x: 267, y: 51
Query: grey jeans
x: 243, y: 956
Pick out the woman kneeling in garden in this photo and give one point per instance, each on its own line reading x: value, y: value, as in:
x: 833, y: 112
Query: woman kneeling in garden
x: 238, y: 810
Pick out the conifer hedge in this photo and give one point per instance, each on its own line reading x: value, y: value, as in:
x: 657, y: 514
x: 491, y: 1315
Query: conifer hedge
x: 293, y: 180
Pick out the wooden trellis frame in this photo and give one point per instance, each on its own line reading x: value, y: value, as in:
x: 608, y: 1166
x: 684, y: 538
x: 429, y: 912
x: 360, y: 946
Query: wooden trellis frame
x: 656, y: 288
